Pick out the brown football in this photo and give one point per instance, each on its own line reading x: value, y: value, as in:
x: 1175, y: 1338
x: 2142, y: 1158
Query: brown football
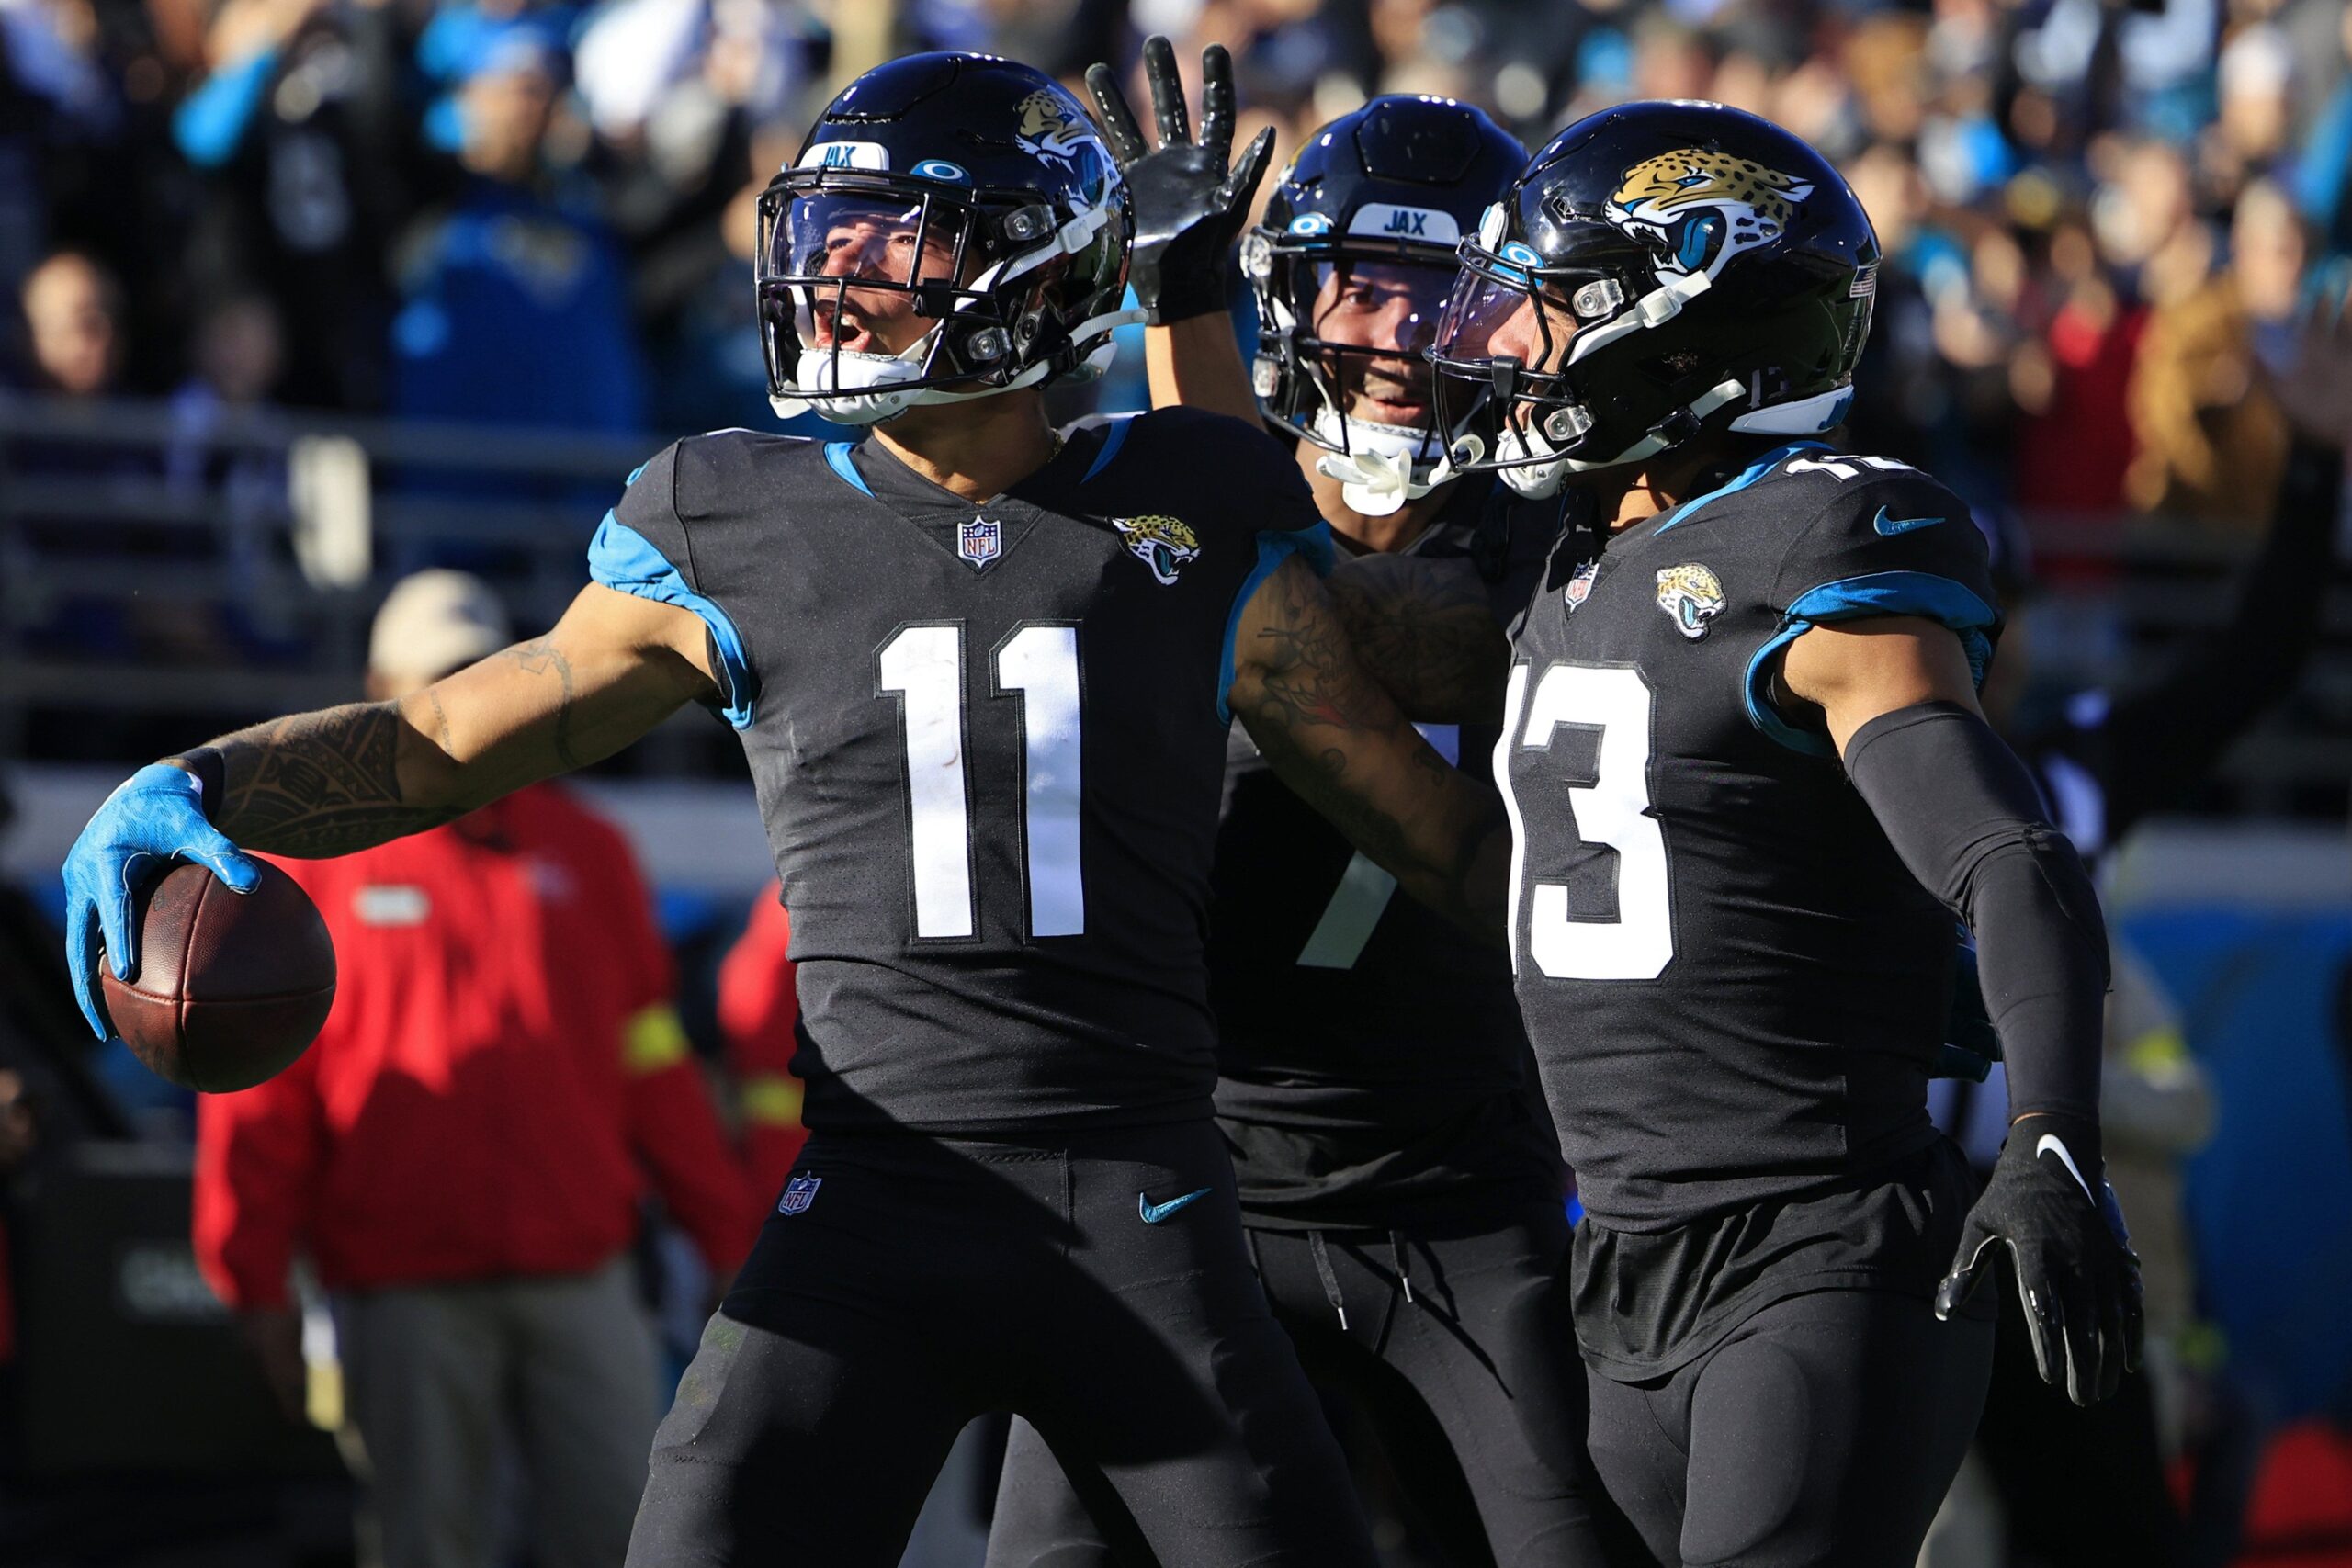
x: 230, y: 988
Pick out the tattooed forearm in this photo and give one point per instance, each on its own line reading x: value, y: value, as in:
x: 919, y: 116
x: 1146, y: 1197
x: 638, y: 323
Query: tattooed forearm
x: 1306, y: 671
x: 319, y: 783
x: 542, y: 658
x: 344, y: 779
x: 1338, y: 739
x: 1426, y: 631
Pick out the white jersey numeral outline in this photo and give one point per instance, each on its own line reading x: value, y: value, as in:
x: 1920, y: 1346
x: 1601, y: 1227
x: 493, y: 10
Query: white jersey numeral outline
x: 1612, y: 810
x: 1038, y: 664
x: 1845, y: 468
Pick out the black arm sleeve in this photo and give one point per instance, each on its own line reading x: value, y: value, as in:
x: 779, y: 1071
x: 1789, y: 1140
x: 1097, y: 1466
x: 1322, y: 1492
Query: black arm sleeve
x: 1962, y: 813
x: 2164, y: 737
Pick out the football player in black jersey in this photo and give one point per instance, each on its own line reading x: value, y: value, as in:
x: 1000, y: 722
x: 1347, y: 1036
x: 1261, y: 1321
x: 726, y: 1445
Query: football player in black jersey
x: 1751, y: 789
x: 1398, y: 1176
x: 984, y: 680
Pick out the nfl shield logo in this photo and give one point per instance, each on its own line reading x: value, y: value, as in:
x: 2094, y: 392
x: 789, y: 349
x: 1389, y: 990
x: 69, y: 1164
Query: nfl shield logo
x: 980, y: 542
x: 1580, y: 585
x: 798, y: 1194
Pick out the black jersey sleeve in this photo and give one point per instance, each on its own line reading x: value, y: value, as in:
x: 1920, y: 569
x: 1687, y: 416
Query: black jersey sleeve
x: 642, y: 547
x: 1886, y: 540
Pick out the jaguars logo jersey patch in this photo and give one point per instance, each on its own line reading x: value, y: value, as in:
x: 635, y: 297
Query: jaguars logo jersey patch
x: 1691, y: 596
x: 1164, y: 544
x: 1703, y: 209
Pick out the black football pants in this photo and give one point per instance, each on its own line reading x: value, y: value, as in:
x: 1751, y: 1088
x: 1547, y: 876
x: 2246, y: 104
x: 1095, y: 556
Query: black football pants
x: 1821, y: 1433
x: 1472, y: 1387
x: 928, y: 1281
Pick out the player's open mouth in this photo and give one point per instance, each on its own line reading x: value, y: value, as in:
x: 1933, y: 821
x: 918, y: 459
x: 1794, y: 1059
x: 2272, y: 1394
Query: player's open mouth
x: 845, y: 331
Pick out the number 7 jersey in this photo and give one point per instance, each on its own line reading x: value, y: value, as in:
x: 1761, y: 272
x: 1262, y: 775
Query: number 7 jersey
x: 988, y: 743
x: 1734, y: 988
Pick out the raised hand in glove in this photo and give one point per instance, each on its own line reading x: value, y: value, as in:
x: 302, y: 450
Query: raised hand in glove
x: 2050, y: 1205
x: 1189, y: 205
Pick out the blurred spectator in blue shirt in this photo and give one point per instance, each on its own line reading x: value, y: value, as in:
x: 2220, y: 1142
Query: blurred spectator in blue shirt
x: 515, y: 304
x: 461, y: 38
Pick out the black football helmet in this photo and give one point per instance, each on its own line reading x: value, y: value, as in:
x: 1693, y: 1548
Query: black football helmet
x: 1660, y: 269
x: 961, y: 189
x: 1351, y: 265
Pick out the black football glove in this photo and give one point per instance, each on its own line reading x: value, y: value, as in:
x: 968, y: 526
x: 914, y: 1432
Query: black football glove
x: 2050, y: 1204
x: 1189, y: 206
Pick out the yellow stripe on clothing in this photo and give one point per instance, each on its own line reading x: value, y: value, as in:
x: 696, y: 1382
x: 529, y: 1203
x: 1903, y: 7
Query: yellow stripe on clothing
x: 771, y: 1099
x: 653, y: 1041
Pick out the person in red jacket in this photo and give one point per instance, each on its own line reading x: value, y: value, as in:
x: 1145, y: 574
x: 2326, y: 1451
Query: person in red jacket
x: 759, y: 1006
x: 462, y: 1155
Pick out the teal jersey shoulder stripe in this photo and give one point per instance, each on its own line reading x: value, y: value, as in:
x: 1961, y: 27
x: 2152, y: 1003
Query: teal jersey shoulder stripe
x: 1747, y: 476
x: 1113, y: 439
x: 1921, y: 594
x: 622, y: 559
x: 837, y: 458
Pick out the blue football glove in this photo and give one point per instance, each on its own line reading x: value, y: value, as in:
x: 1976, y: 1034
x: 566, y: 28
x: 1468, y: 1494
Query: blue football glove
x: 153, y: 817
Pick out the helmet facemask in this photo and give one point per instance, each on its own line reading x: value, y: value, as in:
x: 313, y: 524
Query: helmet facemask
x: 1503, y: 398
x: 879, y: 293
x: 1525, y: 350
x: 1344, y: 329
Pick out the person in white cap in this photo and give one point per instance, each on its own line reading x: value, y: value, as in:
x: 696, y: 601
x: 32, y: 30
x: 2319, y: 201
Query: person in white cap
x: 431, y: 622
x: 462, y: 1156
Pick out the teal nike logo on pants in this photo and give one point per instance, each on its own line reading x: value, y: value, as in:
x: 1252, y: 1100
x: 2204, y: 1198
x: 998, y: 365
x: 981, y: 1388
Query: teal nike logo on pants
x: 1154, y: 1213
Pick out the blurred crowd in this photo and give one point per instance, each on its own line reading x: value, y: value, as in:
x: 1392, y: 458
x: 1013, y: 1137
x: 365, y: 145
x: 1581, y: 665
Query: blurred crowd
x: 2101, y: 219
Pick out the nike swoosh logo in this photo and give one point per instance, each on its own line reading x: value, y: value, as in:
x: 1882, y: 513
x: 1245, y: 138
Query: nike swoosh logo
x: 1154, y: 1213
x: 2050, y: 1146
x: 1890, y: 527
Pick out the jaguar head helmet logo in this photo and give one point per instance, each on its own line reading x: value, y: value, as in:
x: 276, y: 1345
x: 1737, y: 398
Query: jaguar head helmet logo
x: 1045, y: 123
x: 1698, y: 209
x: 1691, y: 596
x: 1163, y: 544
